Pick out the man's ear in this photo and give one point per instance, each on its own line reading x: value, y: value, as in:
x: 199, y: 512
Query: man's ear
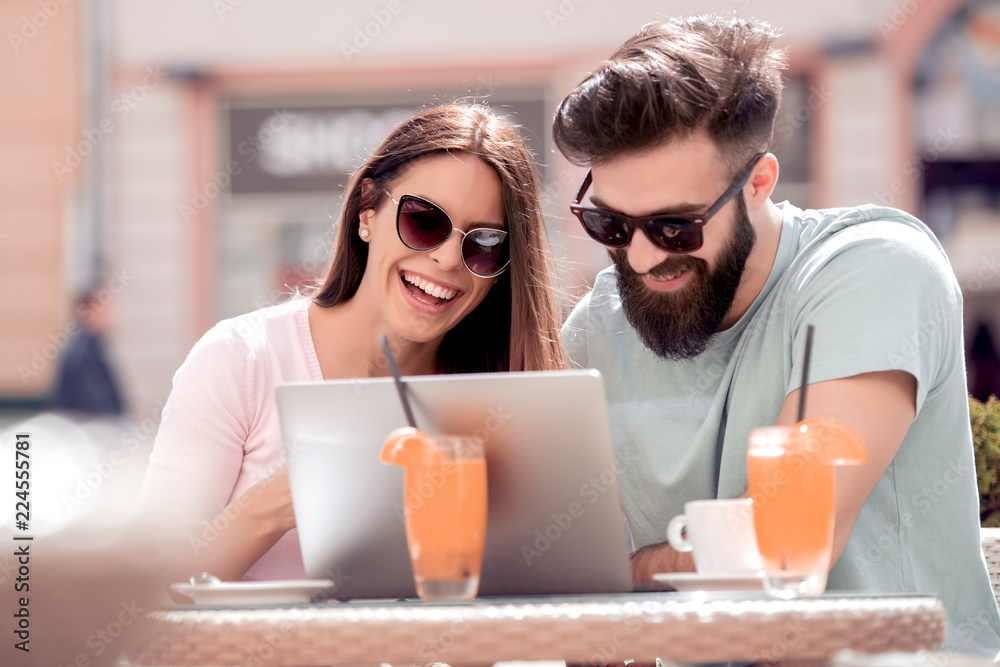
x: 762, y: 181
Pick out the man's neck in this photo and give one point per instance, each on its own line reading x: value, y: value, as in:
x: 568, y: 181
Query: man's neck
x: 767, y: 224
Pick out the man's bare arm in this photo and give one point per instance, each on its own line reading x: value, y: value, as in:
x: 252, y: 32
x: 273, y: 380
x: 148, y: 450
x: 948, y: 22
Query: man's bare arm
x: 880, y: 406
x: 654, y: 558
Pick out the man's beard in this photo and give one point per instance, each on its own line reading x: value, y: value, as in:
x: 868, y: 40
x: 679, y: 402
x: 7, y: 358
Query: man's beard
x: 679, y: 325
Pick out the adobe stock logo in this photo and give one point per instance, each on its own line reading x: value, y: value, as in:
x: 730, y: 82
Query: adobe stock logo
x: 562, y: 12
x: 122, y: 107
x: 38, y: 21
x: 381, y: 18
x: 414, y: 497
x: 590, y: 491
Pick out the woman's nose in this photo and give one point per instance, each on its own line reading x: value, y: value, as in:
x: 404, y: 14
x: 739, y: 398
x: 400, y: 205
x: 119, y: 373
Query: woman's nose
x: 449, y: 254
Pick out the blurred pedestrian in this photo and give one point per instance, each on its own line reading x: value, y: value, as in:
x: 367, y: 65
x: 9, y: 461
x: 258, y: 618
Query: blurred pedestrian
x: 85, y: 382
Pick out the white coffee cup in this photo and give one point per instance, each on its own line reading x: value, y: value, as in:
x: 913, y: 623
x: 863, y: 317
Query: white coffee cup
x: 721, y: 535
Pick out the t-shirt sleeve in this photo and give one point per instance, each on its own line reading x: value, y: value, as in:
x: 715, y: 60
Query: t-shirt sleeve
x: 574, y: 334
x: 882, y: 296
x: 199, y: 446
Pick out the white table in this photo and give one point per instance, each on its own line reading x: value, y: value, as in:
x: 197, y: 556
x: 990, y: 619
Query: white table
x: 689, y: 627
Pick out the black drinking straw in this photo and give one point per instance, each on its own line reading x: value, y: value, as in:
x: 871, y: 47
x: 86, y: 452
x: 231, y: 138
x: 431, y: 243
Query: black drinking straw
x: 399, y: 381
x: 805, y: 372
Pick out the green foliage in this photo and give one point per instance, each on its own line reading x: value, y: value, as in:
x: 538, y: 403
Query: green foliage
x: 986, y: 442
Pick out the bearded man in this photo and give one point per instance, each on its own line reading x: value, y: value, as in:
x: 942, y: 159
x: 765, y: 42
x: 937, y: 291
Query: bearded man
x: 699, y: 327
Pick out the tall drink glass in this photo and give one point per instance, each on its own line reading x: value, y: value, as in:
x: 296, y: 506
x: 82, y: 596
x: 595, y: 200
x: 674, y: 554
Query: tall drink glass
x: 445, y: 503
x: 790, y: 480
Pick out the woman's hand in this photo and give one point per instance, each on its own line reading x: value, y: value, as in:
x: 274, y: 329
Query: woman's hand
x: 254, y: 523
x: 270, y: 502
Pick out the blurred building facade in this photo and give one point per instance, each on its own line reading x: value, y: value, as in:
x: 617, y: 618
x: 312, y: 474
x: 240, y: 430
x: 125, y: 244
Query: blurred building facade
x: 41, y: 114
x: 225, y: 130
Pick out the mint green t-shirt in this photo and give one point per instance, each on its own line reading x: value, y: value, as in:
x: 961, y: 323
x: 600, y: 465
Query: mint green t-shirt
x: 880, y: 291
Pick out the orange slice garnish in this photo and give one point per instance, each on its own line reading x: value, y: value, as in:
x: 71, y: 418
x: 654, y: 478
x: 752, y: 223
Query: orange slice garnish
x: 408, y: 447
x: 834, y: 442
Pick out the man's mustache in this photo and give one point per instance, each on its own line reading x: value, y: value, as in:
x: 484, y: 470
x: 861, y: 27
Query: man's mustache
x: 671, y: 264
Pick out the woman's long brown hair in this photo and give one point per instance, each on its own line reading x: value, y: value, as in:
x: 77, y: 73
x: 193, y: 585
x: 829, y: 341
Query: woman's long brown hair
x: 516, y: 326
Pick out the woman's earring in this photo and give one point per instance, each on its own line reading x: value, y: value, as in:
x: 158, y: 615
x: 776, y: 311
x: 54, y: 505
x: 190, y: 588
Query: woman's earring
x: 363, y: 233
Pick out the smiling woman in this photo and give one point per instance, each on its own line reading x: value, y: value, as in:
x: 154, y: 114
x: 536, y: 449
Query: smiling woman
x: 419, y: 295
x: 440, y: 246
x: 472, y: 166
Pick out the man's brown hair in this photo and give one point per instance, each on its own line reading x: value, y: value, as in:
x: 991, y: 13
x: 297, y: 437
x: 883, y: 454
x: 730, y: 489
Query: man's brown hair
x: 697, y: 73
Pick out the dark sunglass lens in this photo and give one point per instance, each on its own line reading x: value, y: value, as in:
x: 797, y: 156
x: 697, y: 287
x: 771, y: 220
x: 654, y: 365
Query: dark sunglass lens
x: 485, y: 251
x: 606, y: 228
x: 422, y: 226
x: 674, y: 235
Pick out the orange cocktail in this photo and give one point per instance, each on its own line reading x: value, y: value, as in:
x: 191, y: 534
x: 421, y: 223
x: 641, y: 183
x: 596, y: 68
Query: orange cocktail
x: 444, y: 498
x: 790, y: 480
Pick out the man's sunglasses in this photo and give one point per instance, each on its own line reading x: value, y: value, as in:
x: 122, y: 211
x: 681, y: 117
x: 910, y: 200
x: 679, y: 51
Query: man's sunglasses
x: 422, y: 225
x: 678, y: 232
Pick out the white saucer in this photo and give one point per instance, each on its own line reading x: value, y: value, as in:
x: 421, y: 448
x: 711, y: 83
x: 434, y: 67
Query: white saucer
x: 248, y: 593
x: 692, y: 581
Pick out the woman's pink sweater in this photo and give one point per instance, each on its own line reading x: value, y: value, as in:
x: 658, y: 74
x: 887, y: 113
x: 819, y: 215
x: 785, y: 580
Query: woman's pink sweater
x: 219, y: 433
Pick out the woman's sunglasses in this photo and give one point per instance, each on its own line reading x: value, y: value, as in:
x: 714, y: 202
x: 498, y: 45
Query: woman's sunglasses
x: 423, y: 226
x: 678, y: 232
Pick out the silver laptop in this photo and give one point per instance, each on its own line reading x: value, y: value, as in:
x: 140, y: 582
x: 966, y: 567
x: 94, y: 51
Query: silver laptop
x: 555, y: 523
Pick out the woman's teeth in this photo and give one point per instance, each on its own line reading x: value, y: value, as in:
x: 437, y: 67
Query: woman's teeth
x: 430, y: 288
